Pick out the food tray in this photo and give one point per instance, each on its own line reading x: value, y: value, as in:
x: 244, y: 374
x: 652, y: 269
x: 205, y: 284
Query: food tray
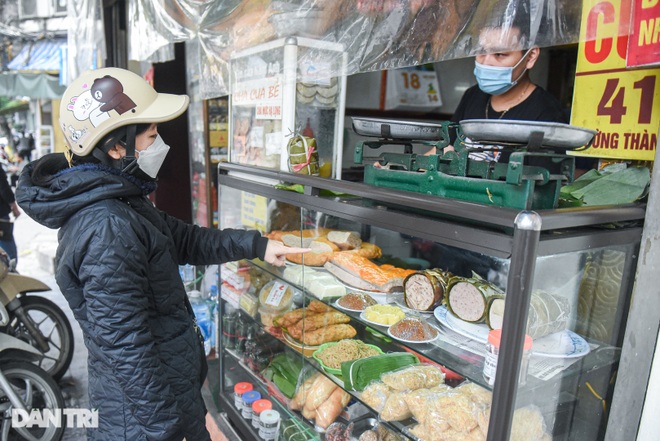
x: 333, y: 370
x: 518, y: 132
x: 391, y: 129
x: 306, y: 350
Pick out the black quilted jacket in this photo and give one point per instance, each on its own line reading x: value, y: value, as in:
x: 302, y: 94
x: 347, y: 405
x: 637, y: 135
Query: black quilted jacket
x: 117, y: 265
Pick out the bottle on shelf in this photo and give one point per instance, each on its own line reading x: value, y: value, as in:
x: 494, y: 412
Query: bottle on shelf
x: 187, y: 273
x: 212, y: 302
x: 203, y: 317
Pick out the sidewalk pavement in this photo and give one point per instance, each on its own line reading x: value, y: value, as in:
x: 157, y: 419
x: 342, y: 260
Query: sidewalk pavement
x: 36, y: 246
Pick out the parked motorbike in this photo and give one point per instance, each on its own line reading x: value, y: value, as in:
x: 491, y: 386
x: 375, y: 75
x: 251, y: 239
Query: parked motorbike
x: 37, y: 321
x: 26, y: 388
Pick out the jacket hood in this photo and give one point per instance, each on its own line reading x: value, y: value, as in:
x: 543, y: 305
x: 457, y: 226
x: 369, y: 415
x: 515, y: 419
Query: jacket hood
x: 73, y: 189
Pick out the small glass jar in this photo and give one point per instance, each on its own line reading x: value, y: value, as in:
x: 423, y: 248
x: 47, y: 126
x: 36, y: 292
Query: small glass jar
x: 493, y: 351
x: 248, y: 399
x: 269, y: 422
x: 229, y: 331
x: 239, y: 390
x: 258, y: 407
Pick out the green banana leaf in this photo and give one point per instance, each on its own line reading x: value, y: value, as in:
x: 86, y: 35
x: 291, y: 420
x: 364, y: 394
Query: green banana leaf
x: 606, y: 188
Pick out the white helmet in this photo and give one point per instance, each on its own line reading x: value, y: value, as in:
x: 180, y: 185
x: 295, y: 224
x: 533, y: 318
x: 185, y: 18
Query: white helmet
x: 100, y: 101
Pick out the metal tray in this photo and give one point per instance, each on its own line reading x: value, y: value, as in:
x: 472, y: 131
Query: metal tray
x: 519, y: 132
x: 391, y: 129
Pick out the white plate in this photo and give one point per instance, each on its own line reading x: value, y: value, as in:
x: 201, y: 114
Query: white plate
x: 389, y: 332
x: 564, y: 344
x: 362, y: 317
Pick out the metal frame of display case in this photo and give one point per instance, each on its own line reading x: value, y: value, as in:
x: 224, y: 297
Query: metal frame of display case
x: 521, y: 236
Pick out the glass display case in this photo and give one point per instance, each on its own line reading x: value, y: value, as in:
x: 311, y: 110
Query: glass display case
x: 285, y: 87
x: 448, y: 293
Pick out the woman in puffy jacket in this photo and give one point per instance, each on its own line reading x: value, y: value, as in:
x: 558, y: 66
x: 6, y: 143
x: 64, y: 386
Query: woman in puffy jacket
x: 118, y: 257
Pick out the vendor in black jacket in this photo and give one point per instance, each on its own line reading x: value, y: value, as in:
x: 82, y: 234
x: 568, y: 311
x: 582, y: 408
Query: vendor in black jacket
x: 118, y: 257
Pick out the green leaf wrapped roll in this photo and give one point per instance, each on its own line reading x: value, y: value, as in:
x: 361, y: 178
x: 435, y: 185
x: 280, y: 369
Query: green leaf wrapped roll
x: 425, y: 290
x: 467, y: 298
x: 303, y: 155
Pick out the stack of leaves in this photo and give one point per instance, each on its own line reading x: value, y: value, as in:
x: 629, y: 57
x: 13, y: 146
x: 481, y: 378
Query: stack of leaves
x: 284, y: 370
x: 615, y: 184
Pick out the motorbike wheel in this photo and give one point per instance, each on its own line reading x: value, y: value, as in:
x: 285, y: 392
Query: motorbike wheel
x: 37, y: 390
x: 54, y: 326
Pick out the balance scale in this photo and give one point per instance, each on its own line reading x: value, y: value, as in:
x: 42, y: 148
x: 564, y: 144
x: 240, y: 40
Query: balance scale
x: 530, y: 179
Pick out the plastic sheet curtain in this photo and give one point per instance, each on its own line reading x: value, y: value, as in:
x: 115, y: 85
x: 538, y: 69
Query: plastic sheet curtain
x: 376, y: 34
x: 85, y: 37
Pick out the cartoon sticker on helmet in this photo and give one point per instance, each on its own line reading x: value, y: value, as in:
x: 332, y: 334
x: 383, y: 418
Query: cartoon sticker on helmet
x: 76, y: 135
x: 84, y: 106
x: 110, y: 93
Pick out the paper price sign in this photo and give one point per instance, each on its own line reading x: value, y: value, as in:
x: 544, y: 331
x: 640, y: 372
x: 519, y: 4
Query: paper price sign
x: 644, y: 42
x: 411, y: 87
x: 254, y: 211
x: 622, y: 104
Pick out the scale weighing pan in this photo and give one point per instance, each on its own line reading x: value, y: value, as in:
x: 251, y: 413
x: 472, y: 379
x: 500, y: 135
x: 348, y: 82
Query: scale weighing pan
x: 391, y: 129
x: 519, y: 132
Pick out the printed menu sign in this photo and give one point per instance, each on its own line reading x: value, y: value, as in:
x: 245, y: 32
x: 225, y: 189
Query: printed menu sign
x: 644, y: 42
x: 622, y: 104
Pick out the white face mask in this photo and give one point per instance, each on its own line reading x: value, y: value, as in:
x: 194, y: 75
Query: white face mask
x: 151, y: 159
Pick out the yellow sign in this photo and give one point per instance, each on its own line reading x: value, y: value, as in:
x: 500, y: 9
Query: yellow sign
x: 622, y: 104
x: 254, y: 213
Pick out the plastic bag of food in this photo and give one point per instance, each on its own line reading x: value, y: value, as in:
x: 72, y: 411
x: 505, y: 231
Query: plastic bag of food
x: 420, y: 432
x: 477, y: 394
x: 307, y: 377
x: 303, y: 155
x: 329, y: 410
x: 454, y: 411
x: 284, y: 371
x: 395, y: 407
x: 319, y: 392
x: 375, y: 395
x: 528, y: 424
x: 419, y: 400
x: 414, y: 377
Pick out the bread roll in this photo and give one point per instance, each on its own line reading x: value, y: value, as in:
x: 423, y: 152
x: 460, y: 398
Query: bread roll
x: 321, y: 245
x: 345, y: 240
x: 294, y: 240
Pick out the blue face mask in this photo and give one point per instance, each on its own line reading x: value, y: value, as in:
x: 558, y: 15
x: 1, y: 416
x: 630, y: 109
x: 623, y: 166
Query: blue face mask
x: 495, y: 80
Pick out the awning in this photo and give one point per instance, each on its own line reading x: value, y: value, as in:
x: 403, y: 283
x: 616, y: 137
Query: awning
x: 40, y: 56
x: 14, y: 106
x: 32, y: 85
x: 34, y: 71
